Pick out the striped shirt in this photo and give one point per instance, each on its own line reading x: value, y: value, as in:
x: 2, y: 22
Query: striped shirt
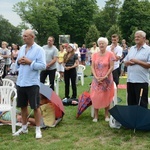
x: 137, y: 73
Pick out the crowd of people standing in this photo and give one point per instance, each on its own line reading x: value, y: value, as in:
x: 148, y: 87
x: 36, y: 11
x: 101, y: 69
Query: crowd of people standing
x: 108, y: 62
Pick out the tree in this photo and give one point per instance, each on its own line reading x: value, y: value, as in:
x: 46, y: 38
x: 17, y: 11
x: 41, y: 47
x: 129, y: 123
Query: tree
x: 77, y: 17
x: 113, y: 30
x: 9, y: 33
x: 55, y: 17
x: 91, y: 36
x: 107, y: 17
x: 41, y: 15
x: 134, y: 14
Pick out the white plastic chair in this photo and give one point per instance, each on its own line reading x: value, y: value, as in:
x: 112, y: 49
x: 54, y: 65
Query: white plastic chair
x: 80, y: 73
x: 56, y: 83
x: 8, y: 97
x: 8, y: 82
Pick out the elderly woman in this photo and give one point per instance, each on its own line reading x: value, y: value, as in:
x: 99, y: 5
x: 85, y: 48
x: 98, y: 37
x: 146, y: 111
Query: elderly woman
x: 102, y: 87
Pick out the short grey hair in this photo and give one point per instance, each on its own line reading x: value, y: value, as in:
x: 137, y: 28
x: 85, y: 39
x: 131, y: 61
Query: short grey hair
x: 103, y: 39
x: 142, y: 33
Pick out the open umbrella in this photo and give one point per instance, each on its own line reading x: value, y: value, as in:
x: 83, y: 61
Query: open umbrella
x: 132, y: 116
x: 54, y: 98
x: 83, y: 103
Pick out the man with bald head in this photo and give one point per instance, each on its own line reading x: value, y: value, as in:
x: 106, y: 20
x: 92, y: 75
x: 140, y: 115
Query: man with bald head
x: 30, y: 60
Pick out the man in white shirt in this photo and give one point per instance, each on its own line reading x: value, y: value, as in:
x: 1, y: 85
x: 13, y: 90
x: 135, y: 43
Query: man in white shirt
x: 117, y: 50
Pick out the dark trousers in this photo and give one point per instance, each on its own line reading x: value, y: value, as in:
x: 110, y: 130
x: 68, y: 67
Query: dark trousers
x: 70, y: 74
x: 116, y: 74
x: 4, y: 71
x: 51, y: 74
x: 133, y: 90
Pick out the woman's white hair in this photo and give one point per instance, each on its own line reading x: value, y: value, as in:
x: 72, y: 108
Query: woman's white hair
x: 142, y: 33
x: 105, y: 40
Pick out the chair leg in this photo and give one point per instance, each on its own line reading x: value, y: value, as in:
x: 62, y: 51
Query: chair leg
x: 57, y: 87
x: 82, y: 80
x: 92, y: 111
x: 13, y: 119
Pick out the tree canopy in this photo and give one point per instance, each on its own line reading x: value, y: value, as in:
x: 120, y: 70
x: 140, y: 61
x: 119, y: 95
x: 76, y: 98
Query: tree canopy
x: 8, y: 32
x: 81, y: 19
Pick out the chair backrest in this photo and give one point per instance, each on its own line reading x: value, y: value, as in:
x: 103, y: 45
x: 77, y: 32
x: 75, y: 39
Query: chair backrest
x: 57, y: 75
x: 7, y: 93
x: 8, y: 82
x: 80, y: 69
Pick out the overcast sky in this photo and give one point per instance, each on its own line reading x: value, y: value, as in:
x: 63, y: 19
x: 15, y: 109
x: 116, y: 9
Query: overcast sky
x: 7, y: 13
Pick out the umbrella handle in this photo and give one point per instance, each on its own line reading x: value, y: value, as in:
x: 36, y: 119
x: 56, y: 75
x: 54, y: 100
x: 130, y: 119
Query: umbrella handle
x: 141, y: 92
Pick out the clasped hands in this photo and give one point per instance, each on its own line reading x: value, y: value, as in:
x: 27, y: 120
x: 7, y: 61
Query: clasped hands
x: 24, y: 61
x: 100, y: 79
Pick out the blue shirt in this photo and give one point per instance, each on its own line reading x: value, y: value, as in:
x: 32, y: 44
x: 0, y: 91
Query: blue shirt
x: 30, y: 74
x: 137, y: 73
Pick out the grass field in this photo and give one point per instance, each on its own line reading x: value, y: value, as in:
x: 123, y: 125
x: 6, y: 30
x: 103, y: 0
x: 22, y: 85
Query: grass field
x: 78, y: 134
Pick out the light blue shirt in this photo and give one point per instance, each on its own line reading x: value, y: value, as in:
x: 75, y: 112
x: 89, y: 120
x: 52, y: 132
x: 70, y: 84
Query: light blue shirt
x: 30, y: 74
x: 137, y: 73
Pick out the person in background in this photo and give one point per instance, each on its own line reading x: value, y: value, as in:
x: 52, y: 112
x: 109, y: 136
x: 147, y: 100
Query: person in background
x: 123, y: 68
x: 117, y: 50
x: 147, y: 42
x: 6, y: 54
x: 94, y: 49
x: 138, y: 64
x: 15, y: 52
x: 51, y: 53
x: 83, y: 52
x: 77, y: 51
x: 30, y: 60
x: 5, y: 118
x: 60, y: 60
x: 70, y: 63
x: 102, y: 87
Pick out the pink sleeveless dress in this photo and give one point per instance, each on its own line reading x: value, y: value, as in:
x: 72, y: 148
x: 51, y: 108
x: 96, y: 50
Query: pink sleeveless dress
x: 102, y: 93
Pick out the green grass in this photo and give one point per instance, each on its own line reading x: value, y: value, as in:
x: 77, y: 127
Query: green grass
x: 78, y: 134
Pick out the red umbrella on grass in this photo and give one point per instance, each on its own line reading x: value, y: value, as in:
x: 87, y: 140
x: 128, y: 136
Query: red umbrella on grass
x: 83, y: 103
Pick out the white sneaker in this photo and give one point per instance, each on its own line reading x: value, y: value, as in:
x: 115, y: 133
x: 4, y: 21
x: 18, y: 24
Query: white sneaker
x: 38, y: 134
x: 20, y: 131
x: 107, y: 119
x: 95, y: 120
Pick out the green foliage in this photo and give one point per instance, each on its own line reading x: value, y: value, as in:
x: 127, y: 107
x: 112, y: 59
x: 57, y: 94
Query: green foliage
x: 134, y: 14
x: 78, y: 134
x: 108, y: 16
x: 113, y: 30
x: 41, y: 15
x: 58, y: 17
x: 8, y: 32
x: 91, y: 36
x: 77, y: 16
x: 131, y: 38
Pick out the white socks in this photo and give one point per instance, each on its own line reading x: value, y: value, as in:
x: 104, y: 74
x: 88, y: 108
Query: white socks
x: 38, y: 128
x: 24, y: 127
